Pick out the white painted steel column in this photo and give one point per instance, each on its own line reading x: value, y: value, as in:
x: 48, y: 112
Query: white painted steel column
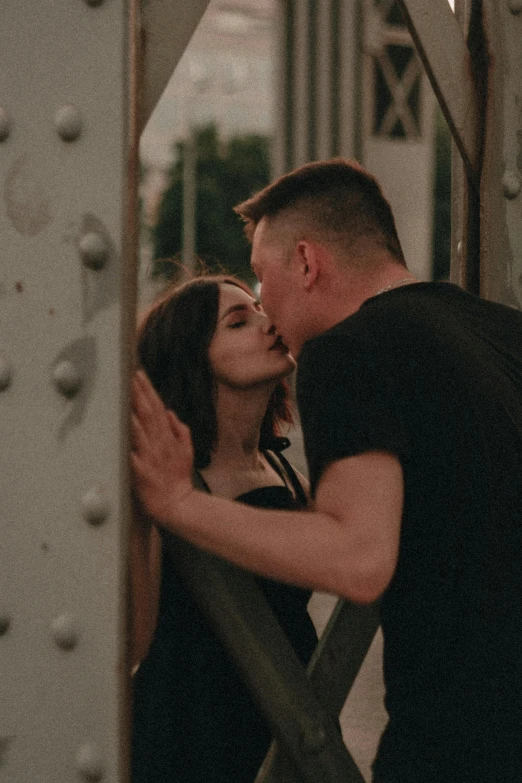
x: 324, y: 107
x: 67, y: 302
x: 350, y: 77
x: 318, y: 89
x: 301, y: 54
x: 282, y: 87
x: 465, y: 261
x: 501, y: 183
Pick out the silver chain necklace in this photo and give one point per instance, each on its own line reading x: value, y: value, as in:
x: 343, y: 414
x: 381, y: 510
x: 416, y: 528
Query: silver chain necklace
x: 396, y: 284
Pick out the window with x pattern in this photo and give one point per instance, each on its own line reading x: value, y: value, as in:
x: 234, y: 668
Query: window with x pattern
x: 397, y: 75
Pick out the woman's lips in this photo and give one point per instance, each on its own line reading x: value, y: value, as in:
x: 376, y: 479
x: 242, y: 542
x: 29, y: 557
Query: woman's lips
x: 279, y: 345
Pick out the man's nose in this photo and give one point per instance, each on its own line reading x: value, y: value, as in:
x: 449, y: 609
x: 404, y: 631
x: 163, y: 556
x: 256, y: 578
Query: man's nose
x: 268, y: 326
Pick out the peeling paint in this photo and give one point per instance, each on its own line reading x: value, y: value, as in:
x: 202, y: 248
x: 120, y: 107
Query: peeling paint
x: 24, y: 194
x: 5, y: 742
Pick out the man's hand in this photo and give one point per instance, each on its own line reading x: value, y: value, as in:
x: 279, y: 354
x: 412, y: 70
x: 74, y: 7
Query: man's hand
x: 162, y: 453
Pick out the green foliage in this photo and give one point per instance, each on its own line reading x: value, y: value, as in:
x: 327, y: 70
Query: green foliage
x: 226, y: 174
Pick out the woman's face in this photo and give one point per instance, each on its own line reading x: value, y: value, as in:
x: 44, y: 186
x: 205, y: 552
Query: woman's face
x: 245, y: 351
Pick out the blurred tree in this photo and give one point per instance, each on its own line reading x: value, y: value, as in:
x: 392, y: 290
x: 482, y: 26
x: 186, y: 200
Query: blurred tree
x: 226, y: 173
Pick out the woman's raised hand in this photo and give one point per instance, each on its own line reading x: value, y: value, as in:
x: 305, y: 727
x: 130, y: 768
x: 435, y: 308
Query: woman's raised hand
x: 162, y: 454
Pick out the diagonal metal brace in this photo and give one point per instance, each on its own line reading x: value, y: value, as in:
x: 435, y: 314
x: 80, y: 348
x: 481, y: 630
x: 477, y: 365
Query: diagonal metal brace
x: 307, y: 729
x: 332, y: 671
x: 445, y: 55
x: 166, y: 27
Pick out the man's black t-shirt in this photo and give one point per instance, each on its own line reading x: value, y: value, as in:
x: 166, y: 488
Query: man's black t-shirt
x: 433, y: 375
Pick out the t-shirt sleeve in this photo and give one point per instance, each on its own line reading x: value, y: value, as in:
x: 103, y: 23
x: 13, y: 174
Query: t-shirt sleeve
x: 349, y: 403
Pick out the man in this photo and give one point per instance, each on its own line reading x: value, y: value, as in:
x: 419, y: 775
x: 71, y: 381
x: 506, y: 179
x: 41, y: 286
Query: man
x: 410, y: 397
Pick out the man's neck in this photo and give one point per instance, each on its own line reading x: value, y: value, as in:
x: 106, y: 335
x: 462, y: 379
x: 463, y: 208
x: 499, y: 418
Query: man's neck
x: 348, y: 293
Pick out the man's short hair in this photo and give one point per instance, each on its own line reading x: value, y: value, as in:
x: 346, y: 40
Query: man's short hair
x: 336, y: 199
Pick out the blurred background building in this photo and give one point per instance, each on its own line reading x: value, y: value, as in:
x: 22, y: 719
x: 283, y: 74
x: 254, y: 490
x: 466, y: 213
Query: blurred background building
x: 266, y: 85
x: 225, y: 76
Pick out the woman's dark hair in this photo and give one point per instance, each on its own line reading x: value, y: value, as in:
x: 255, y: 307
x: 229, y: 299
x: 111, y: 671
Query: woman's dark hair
x: 173, y: 338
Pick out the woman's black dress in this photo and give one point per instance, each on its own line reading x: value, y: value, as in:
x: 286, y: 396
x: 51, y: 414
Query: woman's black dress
x: 194, y: 720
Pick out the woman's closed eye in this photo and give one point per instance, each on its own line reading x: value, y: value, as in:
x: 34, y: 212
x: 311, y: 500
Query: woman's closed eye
x: 242, y: 315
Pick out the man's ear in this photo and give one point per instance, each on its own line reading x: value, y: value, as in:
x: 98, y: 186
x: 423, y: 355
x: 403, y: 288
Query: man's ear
x: 307, y: 259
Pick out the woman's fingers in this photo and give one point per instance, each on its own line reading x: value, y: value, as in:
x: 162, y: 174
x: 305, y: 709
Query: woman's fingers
x: 183, y: 439
x: 142, y: 402
x: 148, y: 408
x: 137, y: 434
x: 138, y: 397
x: 177, y: 427
x: 162, y: 453
x: 147, y: 395
x: 139, y: 470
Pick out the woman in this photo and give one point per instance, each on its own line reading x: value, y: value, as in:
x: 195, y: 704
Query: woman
x: 215, y: 360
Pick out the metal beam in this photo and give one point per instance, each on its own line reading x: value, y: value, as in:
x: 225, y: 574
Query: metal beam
x: 501, y: 182
x: 167, y: 27
x: 302, y: 84
x: 465, y: 207
x: 445, y: 55
x: 332, y: 671
x: 67, y: 278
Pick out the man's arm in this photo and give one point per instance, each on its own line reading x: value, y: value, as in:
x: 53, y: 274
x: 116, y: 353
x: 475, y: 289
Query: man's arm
x: 347, y: 545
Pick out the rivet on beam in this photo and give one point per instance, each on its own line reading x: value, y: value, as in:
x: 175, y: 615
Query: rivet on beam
x: 515, y: 6
x: 5, y: 124
x: 94, y: 250
x: 95, y: 506
x: 6, y: 373
x: 511, y: 184
x: 90, y: 763
x: 64, y: 632
x: 94, y: 2
x: 68, y: 122
x: 66, y: 378
x: 5, y: 622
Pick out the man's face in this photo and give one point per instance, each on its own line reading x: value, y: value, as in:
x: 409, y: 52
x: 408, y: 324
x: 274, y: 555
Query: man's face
x: 273, y: 267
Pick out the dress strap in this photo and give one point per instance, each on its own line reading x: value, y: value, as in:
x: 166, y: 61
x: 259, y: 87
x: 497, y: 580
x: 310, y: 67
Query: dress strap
x: 288, y: 474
